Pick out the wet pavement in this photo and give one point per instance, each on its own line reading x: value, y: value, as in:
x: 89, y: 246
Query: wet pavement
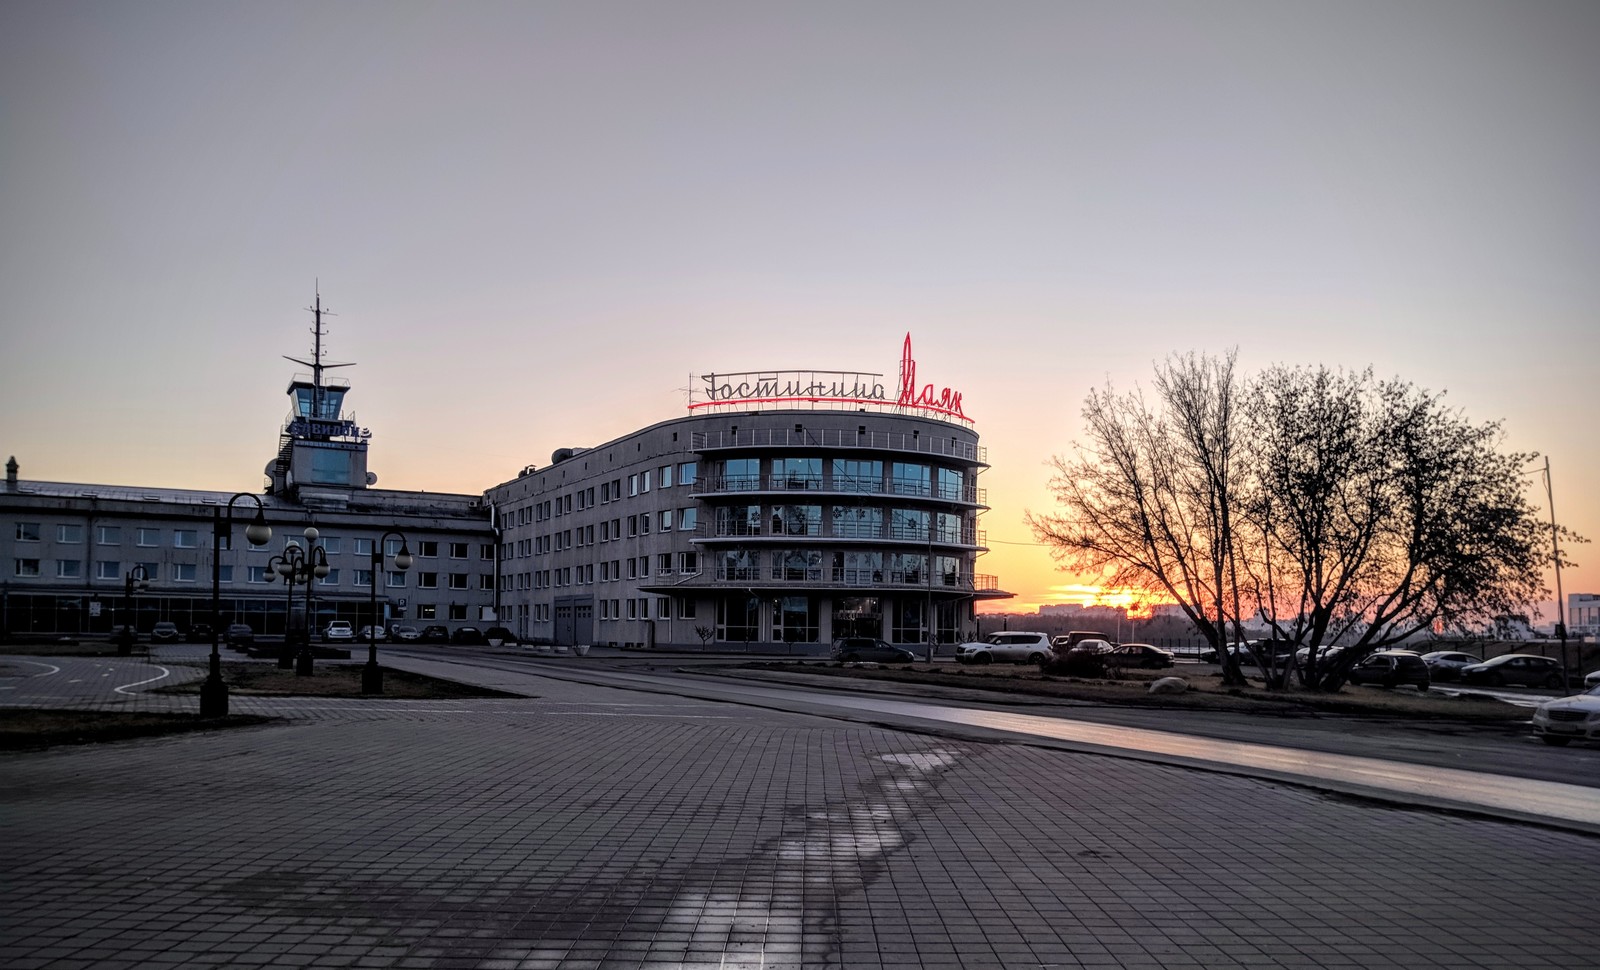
x: 585, y: 826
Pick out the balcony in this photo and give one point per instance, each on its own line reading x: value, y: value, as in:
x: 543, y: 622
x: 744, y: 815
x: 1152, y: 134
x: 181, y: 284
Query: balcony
x: 709, y: 485
x: 711, y: 531
x: 831, y: 438
x: 822, y: 578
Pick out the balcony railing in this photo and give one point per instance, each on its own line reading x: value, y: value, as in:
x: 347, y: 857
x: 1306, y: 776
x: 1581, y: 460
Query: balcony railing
x: 922, y: 444
x: 910, y: 488
x: 868, y: 531
x: 822, y: 576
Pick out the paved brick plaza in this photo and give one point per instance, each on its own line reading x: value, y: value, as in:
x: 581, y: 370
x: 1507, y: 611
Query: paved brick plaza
x: 588, y: 827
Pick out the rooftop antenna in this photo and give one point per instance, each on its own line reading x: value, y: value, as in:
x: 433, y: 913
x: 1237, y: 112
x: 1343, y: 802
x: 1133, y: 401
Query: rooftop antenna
x: 315, y: 363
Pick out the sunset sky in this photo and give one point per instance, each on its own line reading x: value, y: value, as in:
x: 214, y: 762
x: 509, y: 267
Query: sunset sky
x: 536, y: 221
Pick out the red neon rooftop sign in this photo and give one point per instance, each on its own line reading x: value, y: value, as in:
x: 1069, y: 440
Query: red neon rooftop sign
x: 830, y: 387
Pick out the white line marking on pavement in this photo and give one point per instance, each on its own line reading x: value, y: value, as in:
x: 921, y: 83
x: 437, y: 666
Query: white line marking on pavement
x: 53, y: 669
x: 165, y: 673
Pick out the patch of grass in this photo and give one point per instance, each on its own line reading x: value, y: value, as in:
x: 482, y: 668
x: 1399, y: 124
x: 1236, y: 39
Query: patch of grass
x: 334, y: 680
x: 24, y: 729
x: 1205, y: 692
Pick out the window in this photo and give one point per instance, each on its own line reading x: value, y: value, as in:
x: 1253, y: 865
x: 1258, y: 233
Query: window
x: 664, y: 563
x: 427, y: 580
x: 108, y: 535
x: 332, y: 579
x: 685, y: 608
x: 69, y: 569
x: 427, y: 612
x: 149, y: 537
x: 363, y: 547
x: 363, y: 577
x: 458, y: 580
x: 392, y: 547
x: 486, y: 551
x: 687, y: 519
x: 644, y: 524
x: 633, y: 484
x: 458, y: 611
x: 605, y: 532
x: 605, y: 492
x: 633, y: 609
x: 225, y: 574
x: 633, y: 525
x: 633, y: 569
x: 428, y: 548
x: 458, y: 550
x: 485, y: 581
x: 688, y: 562
x: 27, y: 532
x: 152, y: 571
x: 664, y: 475
x: 331, y: 544
x: 107, y: 570
x: 183, y: 572
x: 910, y: 479
x: 605, y: 572
x: 396, y: 580
x: 25, y: 567
x: 644, y: 482
x: 666, y: 520
x: 644, y: 566
x: 856, y: 475
x: 686, y: 472
x: 69, y: 533
x: 663, y: 608
x: 185, y: 539
x: 258, y: 574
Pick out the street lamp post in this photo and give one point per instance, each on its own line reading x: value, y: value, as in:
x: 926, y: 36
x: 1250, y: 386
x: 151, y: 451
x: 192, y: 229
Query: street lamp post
x: 137, y: 576
x: 214, y: 693
x: 372, y: 674
x: 286, y: 651
x: 296, y: 565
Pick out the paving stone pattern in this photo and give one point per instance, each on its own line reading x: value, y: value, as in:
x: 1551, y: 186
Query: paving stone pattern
x: 591, y: 828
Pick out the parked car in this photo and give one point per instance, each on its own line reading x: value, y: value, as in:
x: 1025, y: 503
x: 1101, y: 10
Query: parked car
x: 1071, y: 639
x: 867, y: 649
x: 436, y: 634
x: 338, y: 630
x: 240, y: 635
x: 121, y: 630
x: 1519, y: 669
x: 1391, y: 668
x: 1091, y: 646
x: 1145, y: 655
x: 404, y: 634
x: 1592, y: 679
x: 199, y: 633
x: 369, y: 633
x: 1559, y: 721
x: 503, y: 634
x: 1012, y: 646
x: 165, y: 632
x: 468, y: 636
x: 1447, y: 664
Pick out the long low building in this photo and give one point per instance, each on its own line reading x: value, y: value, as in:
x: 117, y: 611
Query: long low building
x: 787, y: 508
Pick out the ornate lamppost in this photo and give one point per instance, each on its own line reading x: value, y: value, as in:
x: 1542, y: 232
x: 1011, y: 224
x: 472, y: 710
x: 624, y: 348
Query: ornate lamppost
x: 138, y: 577
x: 296, y: 565
x: 372, y: 674
x: 214, y: 693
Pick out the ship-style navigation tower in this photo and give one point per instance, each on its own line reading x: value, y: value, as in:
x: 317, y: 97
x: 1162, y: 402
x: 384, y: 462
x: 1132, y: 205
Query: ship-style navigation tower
x: 322, y: 453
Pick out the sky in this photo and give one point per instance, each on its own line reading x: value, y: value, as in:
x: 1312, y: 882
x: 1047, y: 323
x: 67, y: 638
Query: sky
x: 536, y: 221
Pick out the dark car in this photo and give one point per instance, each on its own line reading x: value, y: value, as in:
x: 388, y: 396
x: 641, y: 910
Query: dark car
x: 199, y: 633
x: 1447, y: 664
x: 121, y: 630
x: 503, y: 634
x: 469, y: 636
x: 436, y: 634
x: 1519, y: 669
x: 1143, y: 655
x: 870, y: 650
x: 1391, y: 668
x: 240, y: 635
x: 165, y: 632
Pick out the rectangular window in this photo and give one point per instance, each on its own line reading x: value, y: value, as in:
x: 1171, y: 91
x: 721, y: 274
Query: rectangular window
x: 427, y: 611
x: 485, y: 581
x: 633, y: 484
x: 633, y: 526
x: 458, y: 580
x: 633, y: 569
x: 109, y: 535
x: 225, y: 574
x: 644, y: 482
x: 687, y: 472
x: 486, y: 551
x: 331, y: 544
x: 257, y: 574
x: 107, y: 570
x: 664, y: 474
x: 605, y: 532
x: 69, y: 533
x: 458, y: 550
x: 644, y: 524
x: 152, y: 571
x: 664, y: 563
x: 185, y: 538
x: 633, y: 609
x: 363, y: 576
x: 149, y: 537
x: 644, y: 567
x: 605, y: 492
x: 69, y: 569
x: 25, y: 567
x: 363, y: 547
x: 332, y: 579
x: 427, y: 580
x: 392, y: 547
x: 688, y: 562
x: 688, y: 519
x: 663, y: 608
x: 396, y: 580
x: 428, y: 548
x: 183, y: 572
x: 685, y: 608
x: 27, y: 532
x: 666, y: 520
x: 458, y: 611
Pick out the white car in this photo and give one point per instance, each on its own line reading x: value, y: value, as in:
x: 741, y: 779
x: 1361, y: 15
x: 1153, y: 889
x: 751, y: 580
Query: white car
x: 1561, y: 720
x: 370, y: 633
x: 1009, y: 647
x: 338, y: 630
x: 405, y: 634
x: 1592, y: 679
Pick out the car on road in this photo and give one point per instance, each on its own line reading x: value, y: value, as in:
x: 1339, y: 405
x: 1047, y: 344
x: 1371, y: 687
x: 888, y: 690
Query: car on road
x: 1144, y: 655
x: 469, y: 636
x: 369, y: 633
x: 240, y: 635
x: 338, y: 630
x: 1560, y: 721
x: 1447, y: 664
x: 852, y: 650
x: 1514, y: 669
x: 1391, y: 668
x: 165, y: 632
x: 404, y: 634
x: 436, y: 634
x: 1009, y: 646
x: 199, y: 633
x: 1592, y: 679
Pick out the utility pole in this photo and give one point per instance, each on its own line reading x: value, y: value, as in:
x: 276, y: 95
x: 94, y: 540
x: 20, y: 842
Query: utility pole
x: 1555, y: 555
